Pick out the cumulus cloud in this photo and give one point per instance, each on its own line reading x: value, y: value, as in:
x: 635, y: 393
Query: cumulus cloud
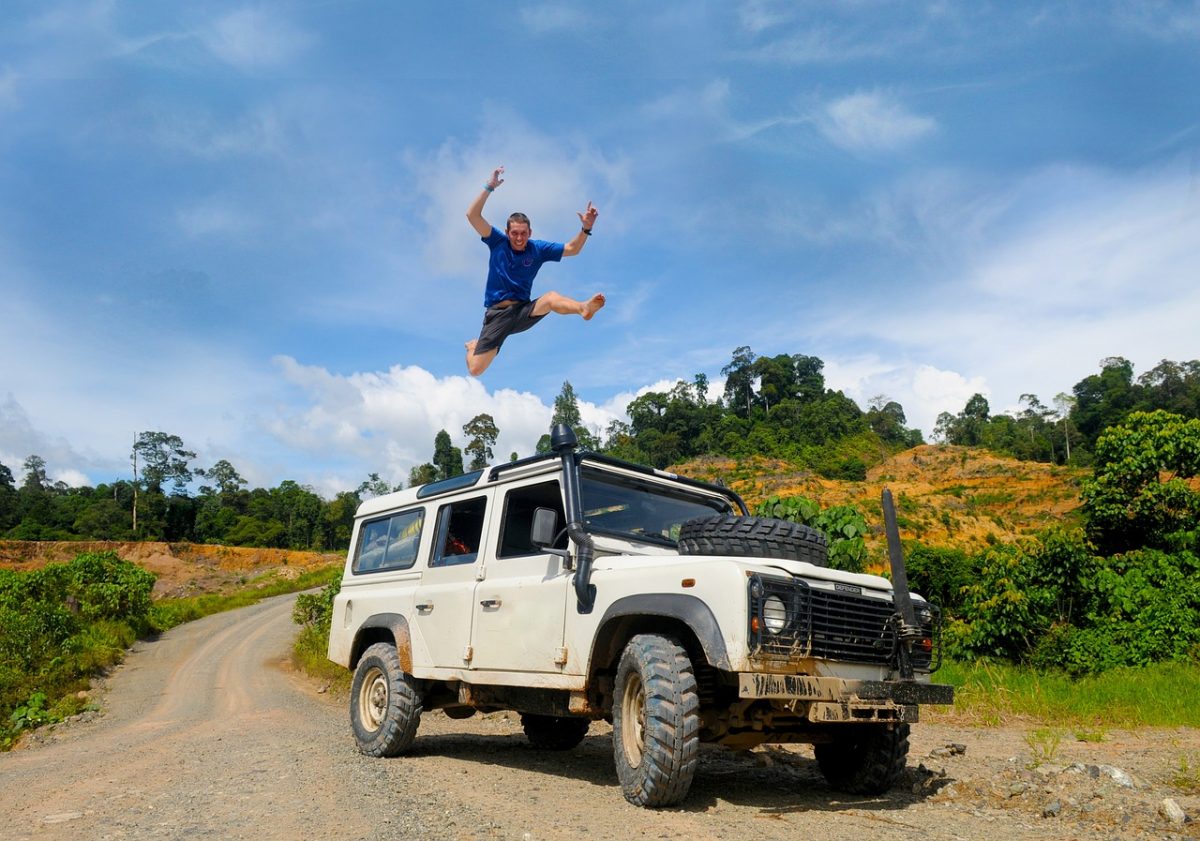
x: 872, y: 121
x: 387, y: 420
x: 1060, y: 270
x: 19, y: 439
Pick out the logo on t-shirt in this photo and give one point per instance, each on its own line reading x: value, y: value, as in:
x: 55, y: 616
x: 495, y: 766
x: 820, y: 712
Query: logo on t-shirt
x: 527, y: 262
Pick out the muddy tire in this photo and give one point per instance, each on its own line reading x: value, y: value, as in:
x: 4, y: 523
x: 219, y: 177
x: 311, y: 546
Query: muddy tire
x: 552, y: 732
x: 753, y: 537
x: 656, y: 722
x: 867, y: 759
x: 385, y: 708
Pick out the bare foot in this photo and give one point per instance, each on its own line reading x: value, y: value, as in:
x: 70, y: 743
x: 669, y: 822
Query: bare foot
x: 592, y: 306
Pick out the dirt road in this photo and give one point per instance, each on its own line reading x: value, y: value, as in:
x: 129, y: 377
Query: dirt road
x: 206, y: 733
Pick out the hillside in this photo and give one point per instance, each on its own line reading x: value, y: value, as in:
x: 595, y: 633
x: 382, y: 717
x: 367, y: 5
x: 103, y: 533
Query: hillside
x: 945, y: 496
x: 949, y: 496
x: 183, y: 569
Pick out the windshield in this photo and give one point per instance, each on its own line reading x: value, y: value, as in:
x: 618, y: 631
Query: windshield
x: 641, y: 509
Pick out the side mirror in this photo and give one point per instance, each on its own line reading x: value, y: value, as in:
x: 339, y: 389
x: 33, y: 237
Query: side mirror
x: 544, y: 531
x: 545, y: 524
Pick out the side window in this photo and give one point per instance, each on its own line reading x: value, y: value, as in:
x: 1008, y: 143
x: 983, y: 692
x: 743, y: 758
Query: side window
x: 459, y: 533
x: 389, y: 542
x: 519, y: 505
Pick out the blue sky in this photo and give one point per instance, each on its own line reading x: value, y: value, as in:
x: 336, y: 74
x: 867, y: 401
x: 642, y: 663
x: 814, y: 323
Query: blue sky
x: 243, y: 223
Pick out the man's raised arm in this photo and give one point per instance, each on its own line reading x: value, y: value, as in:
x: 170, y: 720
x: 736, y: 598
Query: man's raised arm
x: 475, y: 211
x: 586, y: 220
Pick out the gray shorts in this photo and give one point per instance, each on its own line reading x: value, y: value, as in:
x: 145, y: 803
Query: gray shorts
x: 501, y: 322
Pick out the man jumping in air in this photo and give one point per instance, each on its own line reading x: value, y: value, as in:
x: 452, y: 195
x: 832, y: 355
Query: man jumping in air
x: 514, y: 263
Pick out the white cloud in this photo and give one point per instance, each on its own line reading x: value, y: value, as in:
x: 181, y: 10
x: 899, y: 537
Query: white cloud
x: 759, y: 15
x: 872, y: 121
x: 251, y: 39
x: 1060, y: 270
x: 548, y: 178
x: 388, y: 419
x: 19, y: 440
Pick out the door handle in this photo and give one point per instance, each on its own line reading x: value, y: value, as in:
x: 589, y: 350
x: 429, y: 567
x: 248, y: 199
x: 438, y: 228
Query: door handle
x: 490, y: 603
x: 425, y: 607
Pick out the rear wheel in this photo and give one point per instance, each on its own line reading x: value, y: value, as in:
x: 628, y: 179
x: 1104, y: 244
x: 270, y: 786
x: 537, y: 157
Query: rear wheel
x: 385, y: 708
x: 865, y: 758
x: 552, y: 732
x: 656, y: 722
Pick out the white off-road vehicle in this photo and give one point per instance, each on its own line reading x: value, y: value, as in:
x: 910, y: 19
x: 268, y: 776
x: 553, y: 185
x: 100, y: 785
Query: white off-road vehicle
x: 572, y: 587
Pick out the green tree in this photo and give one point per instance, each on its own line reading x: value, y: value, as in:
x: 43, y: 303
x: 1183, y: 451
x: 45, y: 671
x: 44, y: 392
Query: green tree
x: 422, y: 474
x: 224, y: 475
x: 373, y: 486
x: 739, y: 381
x: 1103, y: 400
x: 162, y: 458
x: 9, y: 515
x: 566, y: 411
x: 481, y: 435
x: 446, y: 457
x: 1139, y: 495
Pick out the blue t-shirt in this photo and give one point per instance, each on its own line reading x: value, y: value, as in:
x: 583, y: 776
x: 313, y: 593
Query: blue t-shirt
x: 511, y: 273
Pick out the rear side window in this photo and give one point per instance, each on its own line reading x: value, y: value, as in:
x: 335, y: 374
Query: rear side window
x: 389, y: 542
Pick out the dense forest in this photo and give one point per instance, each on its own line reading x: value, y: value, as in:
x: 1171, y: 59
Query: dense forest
x: 776, y: 406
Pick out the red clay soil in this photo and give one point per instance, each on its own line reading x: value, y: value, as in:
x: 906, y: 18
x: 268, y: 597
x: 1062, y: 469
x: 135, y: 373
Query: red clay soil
x: 183, y: 569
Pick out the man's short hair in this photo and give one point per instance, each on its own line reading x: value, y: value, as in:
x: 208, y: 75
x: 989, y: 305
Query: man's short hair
x: 516, y: 217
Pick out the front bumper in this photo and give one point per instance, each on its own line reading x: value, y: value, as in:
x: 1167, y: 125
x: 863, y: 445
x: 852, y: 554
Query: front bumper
x: 831, y: 699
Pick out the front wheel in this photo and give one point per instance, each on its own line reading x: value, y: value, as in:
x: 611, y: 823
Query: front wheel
x: 385, y: 708
x: 656, y: 722
x: 864, y: 758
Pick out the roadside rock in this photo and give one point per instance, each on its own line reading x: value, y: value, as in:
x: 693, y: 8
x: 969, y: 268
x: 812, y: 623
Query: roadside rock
x: 1170, y: 810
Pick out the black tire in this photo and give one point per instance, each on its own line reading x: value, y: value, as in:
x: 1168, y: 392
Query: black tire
x: 867, y: 759
x: 656, y: 722
x: 753, y: 537
x: 552, y: 732
x: 385, y: 708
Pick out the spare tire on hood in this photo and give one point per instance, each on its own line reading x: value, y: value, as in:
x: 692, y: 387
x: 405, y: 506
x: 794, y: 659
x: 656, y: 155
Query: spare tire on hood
x: 753, y: 537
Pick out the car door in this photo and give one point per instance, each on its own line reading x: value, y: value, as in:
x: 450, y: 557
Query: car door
x: 521, y: 598
x: 444, y: 608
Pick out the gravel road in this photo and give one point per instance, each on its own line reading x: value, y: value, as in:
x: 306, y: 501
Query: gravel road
x: 207, y: 733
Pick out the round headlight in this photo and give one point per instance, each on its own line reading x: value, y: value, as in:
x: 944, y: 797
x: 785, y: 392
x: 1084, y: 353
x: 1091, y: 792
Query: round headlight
x: 774, y: 614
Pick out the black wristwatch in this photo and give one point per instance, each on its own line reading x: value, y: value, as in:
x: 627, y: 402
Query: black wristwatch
x: 587, y: 231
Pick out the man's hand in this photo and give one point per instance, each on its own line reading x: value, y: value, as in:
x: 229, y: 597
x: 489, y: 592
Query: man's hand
x: 588, y: 217
x: 475, y: 211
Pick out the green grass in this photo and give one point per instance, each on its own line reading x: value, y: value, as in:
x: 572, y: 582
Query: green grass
x: 58, y: 689
x: 1159, y: 695
x: 171, y: 612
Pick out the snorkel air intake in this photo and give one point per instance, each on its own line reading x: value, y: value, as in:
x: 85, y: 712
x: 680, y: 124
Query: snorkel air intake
x: 904, y: 620
x: 563, y: 442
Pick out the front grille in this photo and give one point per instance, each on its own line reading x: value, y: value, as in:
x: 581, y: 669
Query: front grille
x: 830, y: 624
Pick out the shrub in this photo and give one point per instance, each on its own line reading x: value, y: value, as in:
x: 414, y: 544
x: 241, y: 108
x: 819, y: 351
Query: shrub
x: 843, y: 526
x: 58, y: 625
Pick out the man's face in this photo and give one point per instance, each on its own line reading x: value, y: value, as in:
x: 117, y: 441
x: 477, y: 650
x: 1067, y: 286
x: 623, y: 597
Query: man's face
x: 518, y: 235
